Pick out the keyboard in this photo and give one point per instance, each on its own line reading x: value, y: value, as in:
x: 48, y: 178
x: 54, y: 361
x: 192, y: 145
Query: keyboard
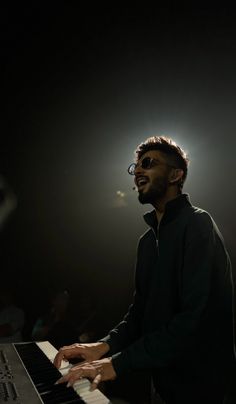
x: 28, y: 376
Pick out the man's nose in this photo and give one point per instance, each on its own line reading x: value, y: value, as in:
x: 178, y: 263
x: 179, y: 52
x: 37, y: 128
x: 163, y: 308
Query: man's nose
x: 138, y: 169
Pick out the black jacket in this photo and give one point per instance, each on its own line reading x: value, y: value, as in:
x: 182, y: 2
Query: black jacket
x: 181, y: 320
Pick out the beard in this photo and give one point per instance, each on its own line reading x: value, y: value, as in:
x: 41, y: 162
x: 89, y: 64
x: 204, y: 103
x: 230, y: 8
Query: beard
x: 156, y: 191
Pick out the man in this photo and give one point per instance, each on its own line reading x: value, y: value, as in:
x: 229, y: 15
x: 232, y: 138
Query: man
x: 180, y: 325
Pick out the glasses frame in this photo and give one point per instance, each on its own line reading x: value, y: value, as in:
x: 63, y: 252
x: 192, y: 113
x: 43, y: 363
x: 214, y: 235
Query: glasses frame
x: 132, y: 167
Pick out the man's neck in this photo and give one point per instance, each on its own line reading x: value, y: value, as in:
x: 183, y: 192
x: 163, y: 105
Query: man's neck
x: 159, y: 216
x: 161, y: 204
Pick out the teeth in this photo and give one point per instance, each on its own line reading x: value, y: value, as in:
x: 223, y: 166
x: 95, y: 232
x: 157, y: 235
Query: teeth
x: 142, y: 181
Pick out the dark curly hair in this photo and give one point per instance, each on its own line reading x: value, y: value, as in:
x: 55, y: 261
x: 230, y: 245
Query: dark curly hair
x: 175, y: 155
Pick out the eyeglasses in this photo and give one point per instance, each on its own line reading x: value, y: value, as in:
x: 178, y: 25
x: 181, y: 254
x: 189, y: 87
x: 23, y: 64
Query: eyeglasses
x: 146, y: 164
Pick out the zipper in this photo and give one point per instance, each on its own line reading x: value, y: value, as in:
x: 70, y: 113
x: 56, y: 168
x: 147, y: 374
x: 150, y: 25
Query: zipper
x: 156, y: 235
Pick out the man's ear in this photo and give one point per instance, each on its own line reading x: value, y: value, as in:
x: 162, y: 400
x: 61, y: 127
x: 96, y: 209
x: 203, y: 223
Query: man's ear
x: 176, y: 175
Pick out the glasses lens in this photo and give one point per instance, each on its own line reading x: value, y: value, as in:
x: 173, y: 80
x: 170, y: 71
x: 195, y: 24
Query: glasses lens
x: 131, y: 168
x: 146, y: 162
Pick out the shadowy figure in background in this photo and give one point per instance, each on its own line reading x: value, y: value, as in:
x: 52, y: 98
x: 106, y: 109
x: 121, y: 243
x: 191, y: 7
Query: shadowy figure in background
x: 86, y: 319
x: 12, y: 318
x: 57, y: 325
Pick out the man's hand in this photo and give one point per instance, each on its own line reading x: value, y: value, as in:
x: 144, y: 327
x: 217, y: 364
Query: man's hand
x: 88, y: 352
x: 96, y: 371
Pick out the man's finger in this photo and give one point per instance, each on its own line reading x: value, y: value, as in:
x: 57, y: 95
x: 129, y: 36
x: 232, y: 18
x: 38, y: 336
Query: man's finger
x: 63, y: 354
x: 78, y: 366
x: 58, y: 359
x: 96, y: 382
x: 62, y: 379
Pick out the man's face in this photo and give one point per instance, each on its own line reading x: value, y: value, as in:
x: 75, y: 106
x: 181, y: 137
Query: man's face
x: 153, y: 182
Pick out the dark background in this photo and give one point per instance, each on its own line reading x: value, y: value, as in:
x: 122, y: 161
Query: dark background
x: 81, y: 88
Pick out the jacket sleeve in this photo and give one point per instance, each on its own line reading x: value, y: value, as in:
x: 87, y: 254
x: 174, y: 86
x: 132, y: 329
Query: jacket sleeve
x: 129, y: 329
x: 171, y: 342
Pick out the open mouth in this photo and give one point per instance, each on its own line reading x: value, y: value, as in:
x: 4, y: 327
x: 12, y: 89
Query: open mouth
x: 141, y: 181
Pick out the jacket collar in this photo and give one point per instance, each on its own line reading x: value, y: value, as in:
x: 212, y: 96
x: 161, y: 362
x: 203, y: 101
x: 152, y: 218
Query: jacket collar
x: 172, y: 209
